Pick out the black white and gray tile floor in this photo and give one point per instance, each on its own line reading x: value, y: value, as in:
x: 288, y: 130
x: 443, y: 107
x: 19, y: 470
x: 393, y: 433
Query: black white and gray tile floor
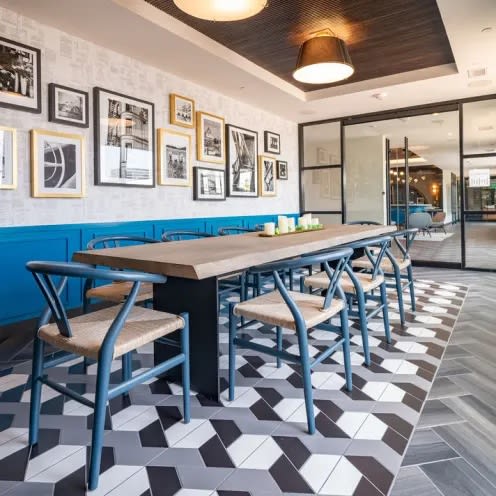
x: 257, y: 445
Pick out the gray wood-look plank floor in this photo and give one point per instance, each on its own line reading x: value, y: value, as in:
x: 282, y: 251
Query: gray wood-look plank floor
x: 453, y: 450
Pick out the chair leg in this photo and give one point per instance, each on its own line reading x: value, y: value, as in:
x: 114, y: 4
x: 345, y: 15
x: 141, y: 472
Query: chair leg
x: 412, y: 288
x: 232, y: 351
x: 258, y: 284
x: 37, y: 372
x: 186, y: 369
x: 127, y: 367
x: 101, y: 397
x: 346, y: 348
x: 307, y: 379
x: 291, y: 275
x: 385, y: 312
x: 399, y: 291
x: 362, y: 314
x: 279, y: 345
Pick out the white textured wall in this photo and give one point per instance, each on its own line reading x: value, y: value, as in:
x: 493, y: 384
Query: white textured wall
x: 78, y: 63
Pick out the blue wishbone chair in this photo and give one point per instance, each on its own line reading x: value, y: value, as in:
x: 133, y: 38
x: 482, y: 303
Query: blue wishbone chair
x: 102, y: 335
x: 299, y: 312
x: 228, y: 231
x: 393, y: 266
x: 184, y: 234
x: 360, y: 287
x: 115, y: 292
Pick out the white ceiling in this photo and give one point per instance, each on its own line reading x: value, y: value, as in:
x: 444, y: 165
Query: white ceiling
x: 137, y: 29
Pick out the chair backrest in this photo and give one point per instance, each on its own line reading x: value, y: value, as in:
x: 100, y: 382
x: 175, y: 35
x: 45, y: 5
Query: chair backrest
x: 340, y: 255
x: 183, y: 235
x: 420, y: 220
x: 439, y: 217
x: 409, y: 236
x: 44, y: 273
x: 227, y: 231
x: 375, y: 249
x: 115, y: 241
x: 363, y: 223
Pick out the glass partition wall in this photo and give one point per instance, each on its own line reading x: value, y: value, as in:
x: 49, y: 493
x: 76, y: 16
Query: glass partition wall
x: 434, y: 164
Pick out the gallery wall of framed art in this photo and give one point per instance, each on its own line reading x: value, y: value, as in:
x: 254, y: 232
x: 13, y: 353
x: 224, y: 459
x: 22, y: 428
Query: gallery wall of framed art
x: 120, y: 123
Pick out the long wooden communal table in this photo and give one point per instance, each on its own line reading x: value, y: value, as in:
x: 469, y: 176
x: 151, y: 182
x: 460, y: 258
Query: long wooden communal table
x: 194, y: 268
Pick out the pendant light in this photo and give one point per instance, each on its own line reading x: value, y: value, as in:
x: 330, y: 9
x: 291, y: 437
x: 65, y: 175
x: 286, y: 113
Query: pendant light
x: 221, y: 10
x: 323, y: 59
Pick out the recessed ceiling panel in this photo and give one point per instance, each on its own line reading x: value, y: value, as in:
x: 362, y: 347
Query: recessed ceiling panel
x: 384, y: 37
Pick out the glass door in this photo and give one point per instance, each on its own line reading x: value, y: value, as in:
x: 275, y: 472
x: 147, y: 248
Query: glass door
x: 398, y: 173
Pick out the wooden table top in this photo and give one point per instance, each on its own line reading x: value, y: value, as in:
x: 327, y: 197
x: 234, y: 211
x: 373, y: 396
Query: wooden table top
x: 222, y: 255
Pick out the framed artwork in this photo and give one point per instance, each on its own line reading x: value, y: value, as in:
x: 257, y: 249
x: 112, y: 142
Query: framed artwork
x: 282, y: 169
x: 8, y: 158
x: 267, y: 176
x: 68, y: 105
x: 57, y: 164
x: 242, y: 153
x: 209, y: 184
x: 182, y: 111
x: 124, y: 140
x: 174, y: 158
x: 272, y: 143
x: 210, y: 138
x: 20, y: 76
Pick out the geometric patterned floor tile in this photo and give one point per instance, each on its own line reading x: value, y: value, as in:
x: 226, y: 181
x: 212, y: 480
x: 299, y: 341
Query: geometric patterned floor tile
x: 256, y: 445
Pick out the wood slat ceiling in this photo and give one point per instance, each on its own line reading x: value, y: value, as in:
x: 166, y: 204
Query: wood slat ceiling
x: 384, y: 37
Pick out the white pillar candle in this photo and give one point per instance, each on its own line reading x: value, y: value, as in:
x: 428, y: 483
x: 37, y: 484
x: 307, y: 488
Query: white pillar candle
x: 303, y: 222
x: 291, y: 224
x: 282, y: 222
x: 309, y: 219
x: 315, y: 221
x: 270, y: 228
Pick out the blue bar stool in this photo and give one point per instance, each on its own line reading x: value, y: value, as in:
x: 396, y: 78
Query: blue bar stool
x: 393, y: 266
x: 298, y: 312
x: 361, y: 286
x: 115, y: 292
x: 103, y: 335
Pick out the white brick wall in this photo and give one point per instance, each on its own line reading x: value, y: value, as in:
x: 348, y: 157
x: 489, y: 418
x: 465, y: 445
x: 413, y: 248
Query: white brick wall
x: 71, y: 61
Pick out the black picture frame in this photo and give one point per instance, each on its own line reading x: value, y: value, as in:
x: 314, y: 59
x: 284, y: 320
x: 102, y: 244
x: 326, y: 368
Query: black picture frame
x: 36, y: 85
x: 97, y: 91
x: 196, y: 172
x: 283, y: 176
x: 268, y: 148
x: 229, y: 150
x: 52, y: 111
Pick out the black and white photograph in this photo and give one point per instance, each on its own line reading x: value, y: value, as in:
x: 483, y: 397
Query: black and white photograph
x: 210, y: 138
x: 267, y: 176
x: 68, y: 105
x: 242, y: 153
x: 20, y: 76
x: 124, y: 140
x: 8, y: 158
x: 272, y: 142
x: 57, y: 164
x: 209, y: 184
x: 182, y: 111
x: 282, y: 170
x: 174, y: 158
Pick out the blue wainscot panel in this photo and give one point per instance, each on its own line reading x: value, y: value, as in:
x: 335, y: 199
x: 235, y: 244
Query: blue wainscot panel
x: 20, y: 298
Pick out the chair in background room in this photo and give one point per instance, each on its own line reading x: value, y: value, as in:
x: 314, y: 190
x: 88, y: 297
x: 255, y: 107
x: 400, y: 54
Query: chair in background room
x: 360, y: 287
x: 438, y: 220
x: 393, y: 266
x: 117, y: 291
x: 298, y: 312
x: 103, y: 335
x: 422, y: 221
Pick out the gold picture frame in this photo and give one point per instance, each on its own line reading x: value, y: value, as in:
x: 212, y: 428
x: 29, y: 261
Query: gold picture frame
x: 174, y: 166
x: 267, y: 183
x: 57, y: 164
x: 210, y: 138
x: 8, y: 158
x: 181, y: 110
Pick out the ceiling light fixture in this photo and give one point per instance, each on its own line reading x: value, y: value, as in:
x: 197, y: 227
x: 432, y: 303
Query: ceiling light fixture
x: 221, y: 10
x: 323, y: 59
